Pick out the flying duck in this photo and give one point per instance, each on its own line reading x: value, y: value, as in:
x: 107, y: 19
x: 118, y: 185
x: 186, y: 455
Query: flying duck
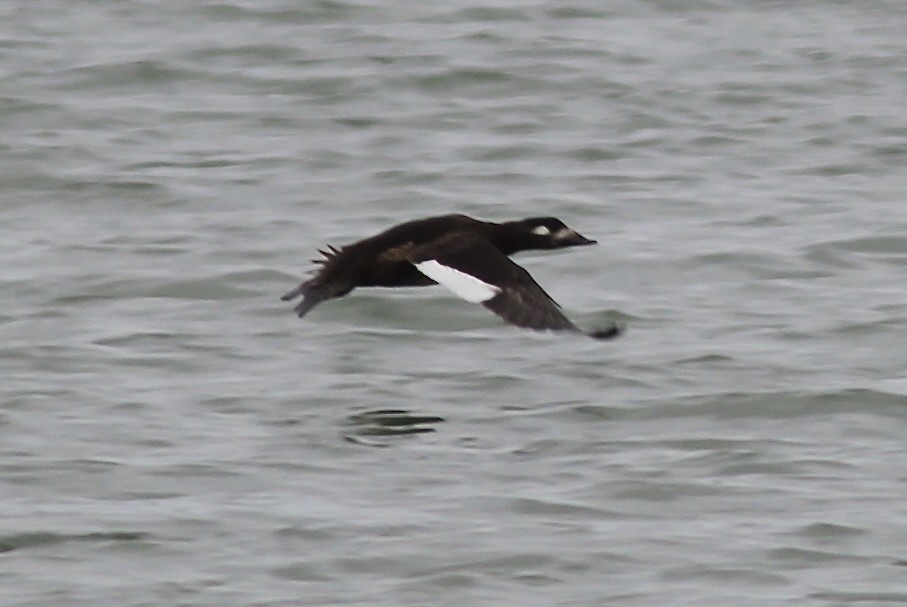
x: 468, y: 256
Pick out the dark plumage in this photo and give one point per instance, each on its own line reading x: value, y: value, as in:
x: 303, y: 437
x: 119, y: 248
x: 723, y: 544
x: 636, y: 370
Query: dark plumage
x: 466, y: 255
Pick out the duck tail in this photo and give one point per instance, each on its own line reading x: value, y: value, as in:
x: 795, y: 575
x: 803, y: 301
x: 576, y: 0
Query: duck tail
x: 313, y: 293
x: 326, y: 284
x: 294, y: 293
x: 311, y: 299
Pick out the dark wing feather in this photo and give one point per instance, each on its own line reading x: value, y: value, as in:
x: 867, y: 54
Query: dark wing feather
x: 521, y: 301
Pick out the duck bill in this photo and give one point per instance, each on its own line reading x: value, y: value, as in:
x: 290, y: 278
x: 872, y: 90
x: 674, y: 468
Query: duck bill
x: 575, y: 239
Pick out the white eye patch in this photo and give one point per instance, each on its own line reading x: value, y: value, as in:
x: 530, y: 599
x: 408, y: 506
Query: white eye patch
x: 541, y: 230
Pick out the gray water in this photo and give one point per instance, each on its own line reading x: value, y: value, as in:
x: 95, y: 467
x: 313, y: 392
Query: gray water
x: 171, y: 434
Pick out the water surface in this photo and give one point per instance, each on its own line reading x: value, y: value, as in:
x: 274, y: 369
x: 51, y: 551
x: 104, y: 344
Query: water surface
x: 171, y: 434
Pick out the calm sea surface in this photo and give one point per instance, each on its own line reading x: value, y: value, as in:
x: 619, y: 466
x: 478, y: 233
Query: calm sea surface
x: 171, y: 434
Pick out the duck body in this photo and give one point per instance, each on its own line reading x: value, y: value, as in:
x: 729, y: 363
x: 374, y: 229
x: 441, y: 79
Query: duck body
x: 469, y: 256
x: 382, y: 260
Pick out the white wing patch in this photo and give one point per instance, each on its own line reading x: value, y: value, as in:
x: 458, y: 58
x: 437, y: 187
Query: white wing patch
x: 462, y: 284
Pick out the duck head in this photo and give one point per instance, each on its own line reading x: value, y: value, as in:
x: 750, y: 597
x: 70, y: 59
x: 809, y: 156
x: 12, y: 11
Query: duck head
x: 542, y: 233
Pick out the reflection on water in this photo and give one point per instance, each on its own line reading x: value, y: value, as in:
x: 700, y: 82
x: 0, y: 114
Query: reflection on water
x: 369, y: 426
x: 171, y: 434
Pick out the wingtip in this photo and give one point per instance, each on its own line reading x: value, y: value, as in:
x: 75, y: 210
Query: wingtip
x: 609, y: 332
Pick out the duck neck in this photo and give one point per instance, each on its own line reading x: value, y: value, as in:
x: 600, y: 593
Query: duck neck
x: 510, y: 238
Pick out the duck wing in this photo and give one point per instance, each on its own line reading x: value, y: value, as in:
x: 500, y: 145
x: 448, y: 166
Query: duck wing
x: 475, y: 270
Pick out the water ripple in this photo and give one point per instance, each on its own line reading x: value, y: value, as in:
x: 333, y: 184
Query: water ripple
x: 168, y: 169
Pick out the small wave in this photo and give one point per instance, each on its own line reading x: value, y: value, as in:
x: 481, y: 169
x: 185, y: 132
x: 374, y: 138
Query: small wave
x: 783, y: 405
x: 128, y: 74
x: 37, y: 539
x: 890, y: 249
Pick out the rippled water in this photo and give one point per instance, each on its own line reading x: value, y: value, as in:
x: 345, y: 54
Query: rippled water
x: 170, y: 433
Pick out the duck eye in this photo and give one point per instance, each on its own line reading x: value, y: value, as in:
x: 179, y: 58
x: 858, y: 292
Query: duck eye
x: 541, y: 230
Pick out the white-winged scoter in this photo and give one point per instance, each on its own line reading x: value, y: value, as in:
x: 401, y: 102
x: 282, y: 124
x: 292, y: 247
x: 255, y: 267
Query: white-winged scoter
x: 468, y: 256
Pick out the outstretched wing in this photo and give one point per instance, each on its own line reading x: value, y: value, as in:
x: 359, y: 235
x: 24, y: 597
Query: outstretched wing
x: 478, y: 272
